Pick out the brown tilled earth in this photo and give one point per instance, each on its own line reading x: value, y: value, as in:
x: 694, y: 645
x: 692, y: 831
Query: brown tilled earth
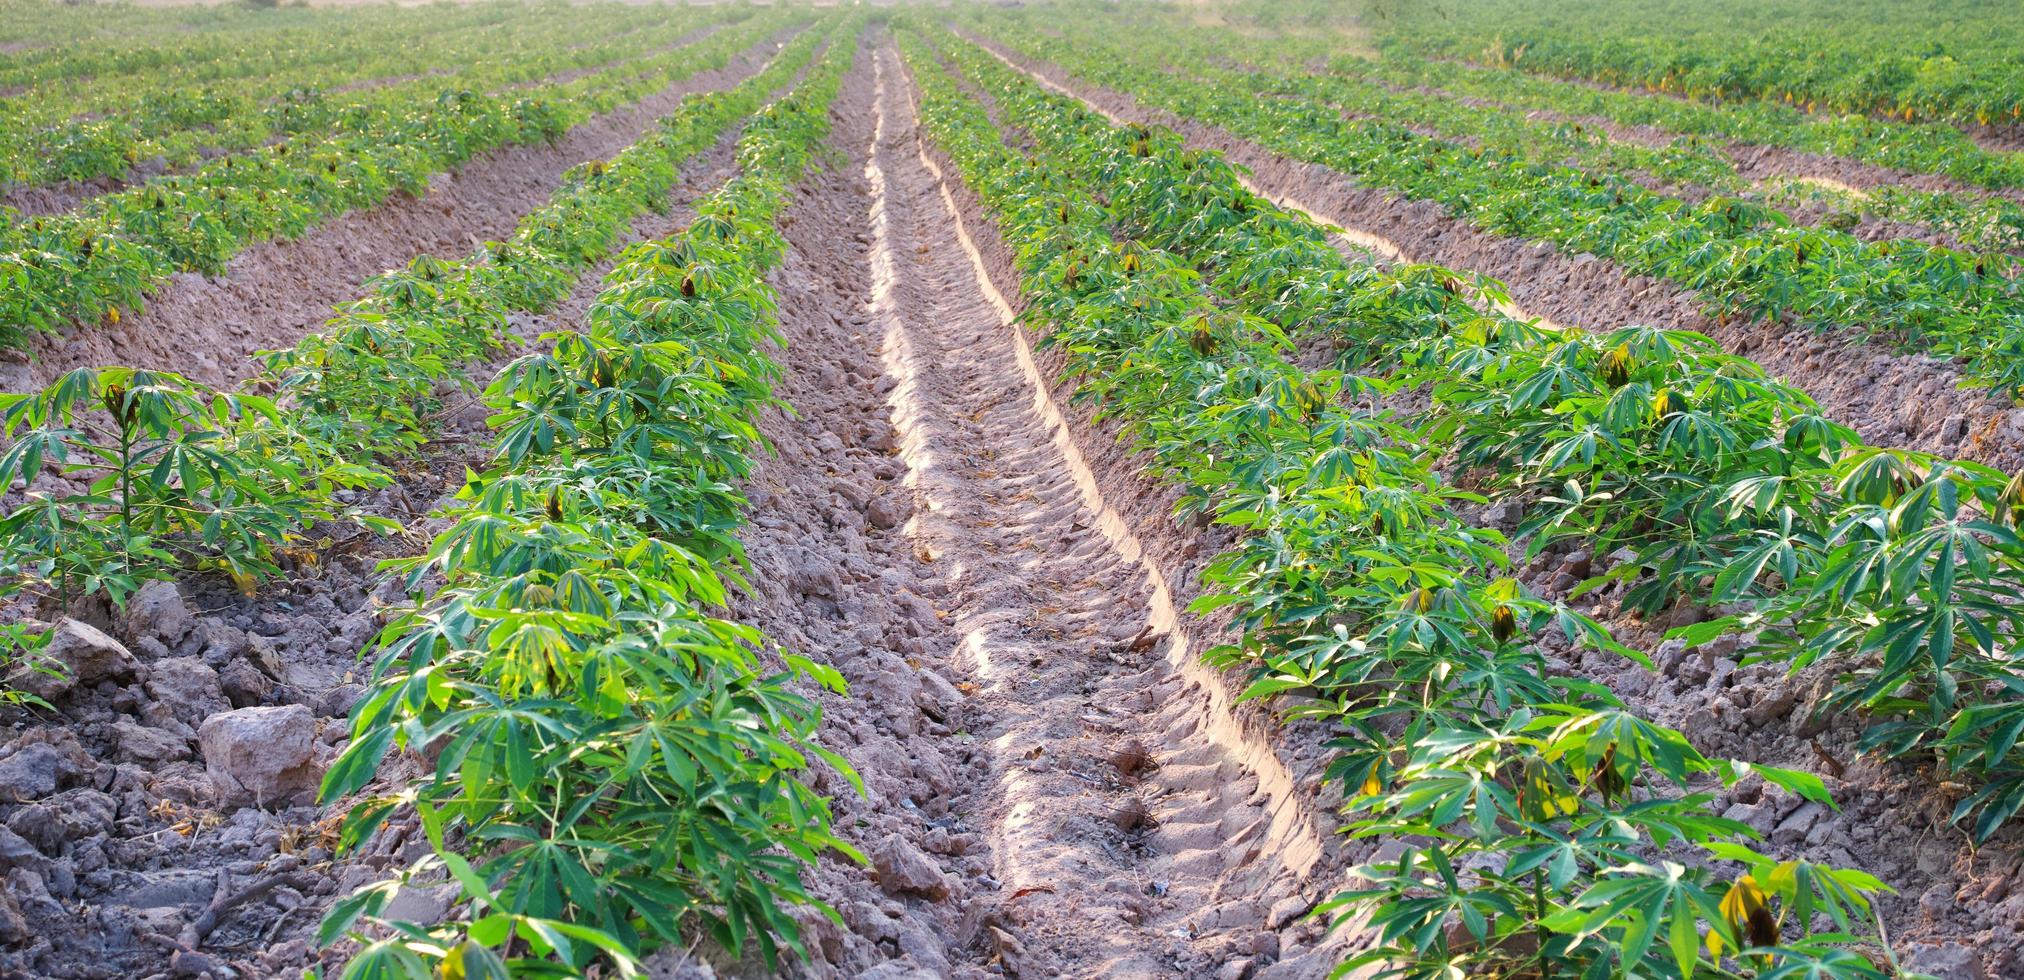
x: 1054, y: 787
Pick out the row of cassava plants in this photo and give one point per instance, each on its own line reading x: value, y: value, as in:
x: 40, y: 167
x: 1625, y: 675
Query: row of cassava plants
x: 1744, y: 258
x: 1934, y: 149
x: 1526, y: 814
x: 1950, y: 60
x: 1730, y: 488
x: 160, y: 473
x: 609, y: 764
x: 84, y: 267
x: 1506, y: 121
x: 1915, y: 147
x: 224, y: 44
x: 79, y: 129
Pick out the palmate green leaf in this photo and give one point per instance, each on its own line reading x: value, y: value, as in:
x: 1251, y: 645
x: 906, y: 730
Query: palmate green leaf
x: 1684, y: 937
x: 357, y: 764
x: 1805, y: 785
x: 1820, y: 961
x: 1561, y: 859
x: 1635, y: 740
x: 367, y: 901
x: 389, y: 960
x: 556, y: 934
x: 1265, y: 687
x: 473, y: 888
x: 1632, y: 903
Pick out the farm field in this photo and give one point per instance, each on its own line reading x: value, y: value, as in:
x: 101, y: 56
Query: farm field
x: 1217, y: 488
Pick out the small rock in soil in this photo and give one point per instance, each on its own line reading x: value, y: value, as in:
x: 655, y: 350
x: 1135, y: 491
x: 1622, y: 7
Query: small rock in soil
x: 1946, y: 961
x: 261, y: 756
x: 425, y: 906
x: 13, y: 925
x: 17, y: 852
x: 904, y: 869
x: 72, y: 815
x: 33, y: 772
x: 188, y: 686
x: 157, y: 610
x: 148, y: 746
x: 244, y: 684
x: 884, y: 513
x: 85, y: 655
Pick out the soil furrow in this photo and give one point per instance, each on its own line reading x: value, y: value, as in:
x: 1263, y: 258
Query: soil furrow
x: 1349, y: 240
x: 1137, y: 829
x: 1754, y: 161
x: 276, y: 292
x: 1991, y: 138
x: 1893, y: 398
x: 835, y: 579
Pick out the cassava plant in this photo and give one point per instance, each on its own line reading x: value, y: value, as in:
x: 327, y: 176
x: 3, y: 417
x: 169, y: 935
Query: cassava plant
x: 128, y: 475
x: 1726, y: 486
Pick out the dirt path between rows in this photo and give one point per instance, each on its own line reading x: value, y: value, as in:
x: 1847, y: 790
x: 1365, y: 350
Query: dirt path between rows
x: 1366, y: 243
x: 1893, y: 398
x: 1997, y: 138
x: 274, y: 293
x: 1054, y: 787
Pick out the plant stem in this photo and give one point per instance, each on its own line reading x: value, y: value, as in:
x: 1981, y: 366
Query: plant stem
x: 1539, y: 919
x: 126, y: 495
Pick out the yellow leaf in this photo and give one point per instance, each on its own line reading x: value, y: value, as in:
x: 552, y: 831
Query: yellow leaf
x: 1784, y: 879
x: 1542, y: 797
x: 452, y: 967
x: 1748, y: 912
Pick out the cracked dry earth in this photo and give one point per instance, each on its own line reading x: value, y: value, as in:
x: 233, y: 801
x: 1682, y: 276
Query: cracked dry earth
x: 1053, y: 787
